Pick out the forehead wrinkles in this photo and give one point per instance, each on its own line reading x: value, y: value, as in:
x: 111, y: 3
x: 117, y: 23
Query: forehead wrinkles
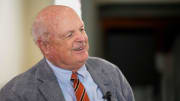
x: 53, y: 16
x: 49, y: 21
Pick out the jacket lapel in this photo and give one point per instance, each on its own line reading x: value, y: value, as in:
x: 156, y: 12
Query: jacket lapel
x: 48, y: 84
x: 49, y: 87
x: 99, y: 77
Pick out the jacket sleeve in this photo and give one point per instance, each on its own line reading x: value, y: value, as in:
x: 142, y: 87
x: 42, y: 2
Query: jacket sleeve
x: 125, y: 87
x: 8, y: 95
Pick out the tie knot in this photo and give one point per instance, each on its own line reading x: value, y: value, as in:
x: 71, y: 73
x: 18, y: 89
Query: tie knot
x: 74, y: 76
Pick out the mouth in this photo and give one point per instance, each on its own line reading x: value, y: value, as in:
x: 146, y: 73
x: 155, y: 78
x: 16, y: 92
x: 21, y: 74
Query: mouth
x: 80, y: 48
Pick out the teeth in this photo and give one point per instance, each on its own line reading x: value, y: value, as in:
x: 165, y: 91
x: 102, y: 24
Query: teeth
x: 78, y: 49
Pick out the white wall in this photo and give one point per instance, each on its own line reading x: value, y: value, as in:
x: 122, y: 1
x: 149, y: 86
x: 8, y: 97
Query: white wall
x: 31, y: 53
x: 17, y: 49
x: 10, y: 39
x: 75, y: 4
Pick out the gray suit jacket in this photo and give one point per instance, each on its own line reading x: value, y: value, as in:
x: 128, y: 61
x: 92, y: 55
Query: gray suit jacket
x: 40, y: 84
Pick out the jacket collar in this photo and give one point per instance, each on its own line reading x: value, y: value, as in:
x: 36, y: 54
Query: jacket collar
x: 99, y: 76
x: 48, y: 84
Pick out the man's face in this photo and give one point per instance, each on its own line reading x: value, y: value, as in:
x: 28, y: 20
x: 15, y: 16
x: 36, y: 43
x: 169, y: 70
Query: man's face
x: 68, y: 45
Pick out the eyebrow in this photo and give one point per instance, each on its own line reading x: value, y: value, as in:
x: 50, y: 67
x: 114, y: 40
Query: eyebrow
x: 70, y: 31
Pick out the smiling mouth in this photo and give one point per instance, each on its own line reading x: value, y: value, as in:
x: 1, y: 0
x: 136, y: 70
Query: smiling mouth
x: 80, y: 47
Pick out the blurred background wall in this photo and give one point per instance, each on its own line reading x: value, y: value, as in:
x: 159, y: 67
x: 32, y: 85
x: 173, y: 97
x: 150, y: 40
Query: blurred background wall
x: 11, y: 39
x: 139, y: 36
x: 142, y: 38
x: 17, y: 49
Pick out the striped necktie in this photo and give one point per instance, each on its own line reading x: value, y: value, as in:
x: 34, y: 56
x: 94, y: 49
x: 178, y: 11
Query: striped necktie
x: 79, y: 90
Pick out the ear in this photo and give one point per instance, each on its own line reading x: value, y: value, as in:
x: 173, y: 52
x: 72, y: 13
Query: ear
x: 44, y: 46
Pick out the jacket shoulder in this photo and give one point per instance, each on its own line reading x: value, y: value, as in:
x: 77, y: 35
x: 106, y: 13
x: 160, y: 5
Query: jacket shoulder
x: 22, y: 83
x: 99, y: 62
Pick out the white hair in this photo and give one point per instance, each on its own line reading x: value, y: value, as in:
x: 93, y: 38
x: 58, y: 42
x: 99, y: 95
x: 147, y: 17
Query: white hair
x: 38, y: 29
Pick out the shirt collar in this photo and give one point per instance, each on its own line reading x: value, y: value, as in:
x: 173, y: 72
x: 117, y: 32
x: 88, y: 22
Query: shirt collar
x: 82, y: 71
x: 64, y: 74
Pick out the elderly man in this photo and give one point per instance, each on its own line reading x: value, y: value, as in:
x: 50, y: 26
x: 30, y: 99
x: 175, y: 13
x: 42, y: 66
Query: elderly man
x: 66, y: 73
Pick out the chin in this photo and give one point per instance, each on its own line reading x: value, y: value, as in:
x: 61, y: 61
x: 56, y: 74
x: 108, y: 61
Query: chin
x: 82, y: 58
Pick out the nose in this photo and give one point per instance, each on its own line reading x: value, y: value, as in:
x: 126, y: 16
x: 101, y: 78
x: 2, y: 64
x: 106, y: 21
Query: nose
x: 81, y: 37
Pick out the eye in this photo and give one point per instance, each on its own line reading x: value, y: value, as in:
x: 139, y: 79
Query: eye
x: 82, y: 29
x: 69, y: 34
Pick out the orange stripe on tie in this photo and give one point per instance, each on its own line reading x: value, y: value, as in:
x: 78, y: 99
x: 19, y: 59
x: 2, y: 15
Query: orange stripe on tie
x: 79, y: 90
